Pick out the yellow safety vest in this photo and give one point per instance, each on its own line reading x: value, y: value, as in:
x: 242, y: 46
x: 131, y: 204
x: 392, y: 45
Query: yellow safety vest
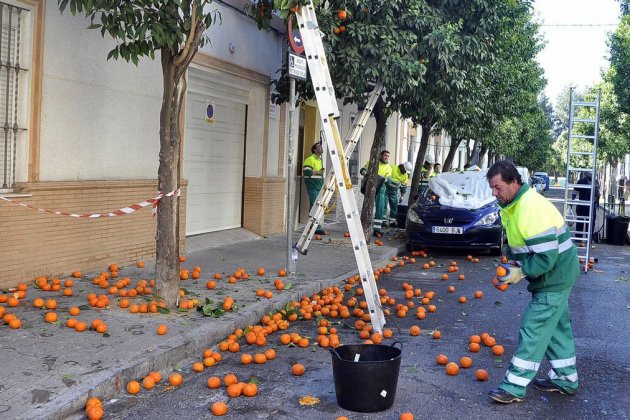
x: 540, y: 240
x: 313, y: 163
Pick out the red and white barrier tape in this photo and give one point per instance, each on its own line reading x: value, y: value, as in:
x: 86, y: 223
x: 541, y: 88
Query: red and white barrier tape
x: 120, y: 212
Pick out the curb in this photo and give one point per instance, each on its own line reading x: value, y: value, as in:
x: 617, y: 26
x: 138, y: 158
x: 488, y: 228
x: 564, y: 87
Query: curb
x: 107, y: 384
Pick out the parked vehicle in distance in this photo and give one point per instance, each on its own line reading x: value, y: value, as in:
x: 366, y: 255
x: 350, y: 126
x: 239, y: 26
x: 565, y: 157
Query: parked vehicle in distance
x: 544, y: 176
x: 537, y: 183
x: 430, y: 224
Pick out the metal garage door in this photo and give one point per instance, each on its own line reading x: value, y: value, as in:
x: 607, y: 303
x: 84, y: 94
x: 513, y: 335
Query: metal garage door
x: 214, y: 149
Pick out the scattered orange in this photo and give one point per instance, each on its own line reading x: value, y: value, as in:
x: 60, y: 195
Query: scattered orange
x: 481, y: 375
x: 498, y: 350
x: 230, y: 379
x: 501, y: 271
x: 465, y: 362
x: 250, y: 389
x: 219, y: 408
x: 452, y: 369
x: 157, y: 376
x: 414, y: 330
x: 437, y: 334
x: 197, y: 367
x: 133, y: 387
x: 51, y: 317
x: 234, y: 390
x: 441, y: 359
x: 214, y: 382
x: 162, y: 329
x: 148, y: 382
x: 175, y: 379
x: 298, y: 369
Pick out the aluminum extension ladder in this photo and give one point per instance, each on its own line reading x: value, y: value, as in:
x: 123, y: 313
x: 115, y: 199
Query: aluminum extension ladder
x: 329, y: 113
x: 317, y: 213
x: 582, y: 238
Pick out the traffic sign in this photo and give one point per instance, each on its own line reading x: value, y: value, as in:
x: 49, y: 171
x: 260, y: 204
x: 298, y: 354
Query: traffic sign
x: 295, y: 40
x: 297, y: 66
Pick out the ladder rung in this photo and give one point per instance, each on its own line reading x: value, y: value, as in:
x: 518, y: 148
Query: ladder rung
x: 581, y: 203
x: 582, y: 153
x: 584, y: 120
x: 581, y: 169
x: 582, y: 136
x: 584, y: 103
x: 581, y: 186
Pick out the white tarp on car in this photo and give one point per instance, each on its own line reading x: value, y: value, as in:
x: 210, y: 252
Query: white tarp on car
x: 464, y: 190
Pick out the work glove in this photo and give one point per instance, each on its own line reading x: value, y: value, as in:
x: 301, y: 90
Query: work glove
x: 513, y: 276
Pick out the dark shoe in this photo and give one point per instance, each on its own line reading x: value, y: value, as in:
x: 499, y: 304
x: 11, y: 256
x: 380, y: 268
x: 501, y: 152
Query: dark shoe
x: 392, y: 224
x: 502, y: 396
x: 547, y: 386
x: 384, y: 225
x: 320, y: 232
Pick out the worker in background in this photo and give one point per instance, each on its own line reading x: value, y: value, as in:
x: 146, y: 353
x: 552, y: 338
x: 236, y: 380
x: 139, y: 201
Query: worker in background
x: 425, y: 172
x: 313, y: 173
x: 437, y: 169
x: 384, y: 172
x: 583, y: 191
x: 540, y: 251
x: 397, y: 182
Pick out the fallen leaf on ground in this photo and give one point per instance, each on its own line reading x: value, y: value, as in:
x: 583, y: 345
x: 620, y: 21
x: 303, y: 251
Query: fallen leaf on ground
x: 309, y: 400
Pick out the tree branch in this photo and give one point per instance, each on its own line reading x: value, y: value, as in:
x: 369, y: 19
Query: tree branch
x: 193, y: 27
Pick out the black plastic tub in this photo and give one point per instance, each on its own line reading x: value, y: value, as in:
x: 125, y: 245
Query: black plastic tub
x: 366, y: 376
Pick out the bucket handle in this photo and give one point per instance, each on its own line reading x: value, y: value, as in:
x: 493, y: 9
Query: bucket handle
x: 394, y: 345
x: 335, y: 353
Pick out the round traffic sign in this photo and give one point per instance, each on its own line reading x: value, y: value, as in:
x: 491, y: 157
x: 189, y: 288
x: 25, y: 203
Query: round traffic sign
x: 295, y: 39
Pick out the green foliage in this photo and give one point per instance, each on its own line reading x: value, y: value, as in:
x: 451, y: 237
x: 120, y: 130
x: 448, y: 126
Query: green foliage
x: 614, y: 127
x: 620, y: 62
x: 143, y: 26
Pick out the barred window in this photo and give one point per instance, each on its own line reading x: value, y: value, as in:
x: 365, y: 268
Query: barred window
x: 13, y: 94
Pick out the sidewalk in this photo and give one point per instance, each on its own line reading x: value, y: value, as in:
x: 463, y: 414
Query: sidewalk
x: 49, y: 370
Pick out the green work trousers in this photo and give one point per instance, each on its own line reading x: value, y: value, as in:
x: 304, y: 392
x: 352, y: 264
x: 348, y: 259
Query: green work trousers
x: 381, y: 208
x: 545, y: 331
x: 313, y: 187
x: 392, y: 198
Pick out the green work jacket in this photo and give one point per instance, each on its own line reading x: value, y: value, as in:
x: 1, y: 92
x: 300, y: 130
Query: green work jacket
x: 540, y: 241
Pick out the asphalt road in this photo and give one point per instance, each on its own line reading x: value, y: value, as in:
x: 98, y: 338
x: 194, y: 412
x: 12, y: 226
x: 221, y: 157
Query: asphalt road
x: 600, y: 307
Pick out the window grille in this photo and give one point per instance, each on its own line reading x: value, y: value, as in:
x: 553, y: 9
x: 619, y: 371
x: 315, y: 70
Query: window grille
x: 12, y: 18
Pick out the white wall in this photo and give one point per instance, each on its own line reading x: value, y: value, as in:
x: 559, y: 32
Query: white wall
x: 100, y: 119
x: 252, y: 48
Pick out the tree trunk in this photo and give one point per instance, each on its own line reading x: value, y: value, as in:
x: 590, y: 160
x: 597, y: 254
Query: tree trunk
x: 482, y: 154
x: 451, y: 154
x: 424, y: 143
x: 167, y: 240
x: 469, y: 151
x: 367, y: 211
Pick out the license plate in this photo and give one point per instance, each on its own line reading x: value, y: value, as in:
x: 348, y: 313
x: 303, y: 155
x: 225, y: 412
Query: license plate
x: 448, y: 229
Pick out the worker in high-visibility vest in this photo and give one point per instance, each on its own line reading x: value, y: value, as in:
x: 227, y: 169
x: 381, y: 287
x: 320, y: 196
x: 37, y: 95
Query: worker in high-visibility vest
x: 313, y: 173
x: 384, y: 172
x: 425, y: 172
x: 541, y: 251
x: 397, y: 182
